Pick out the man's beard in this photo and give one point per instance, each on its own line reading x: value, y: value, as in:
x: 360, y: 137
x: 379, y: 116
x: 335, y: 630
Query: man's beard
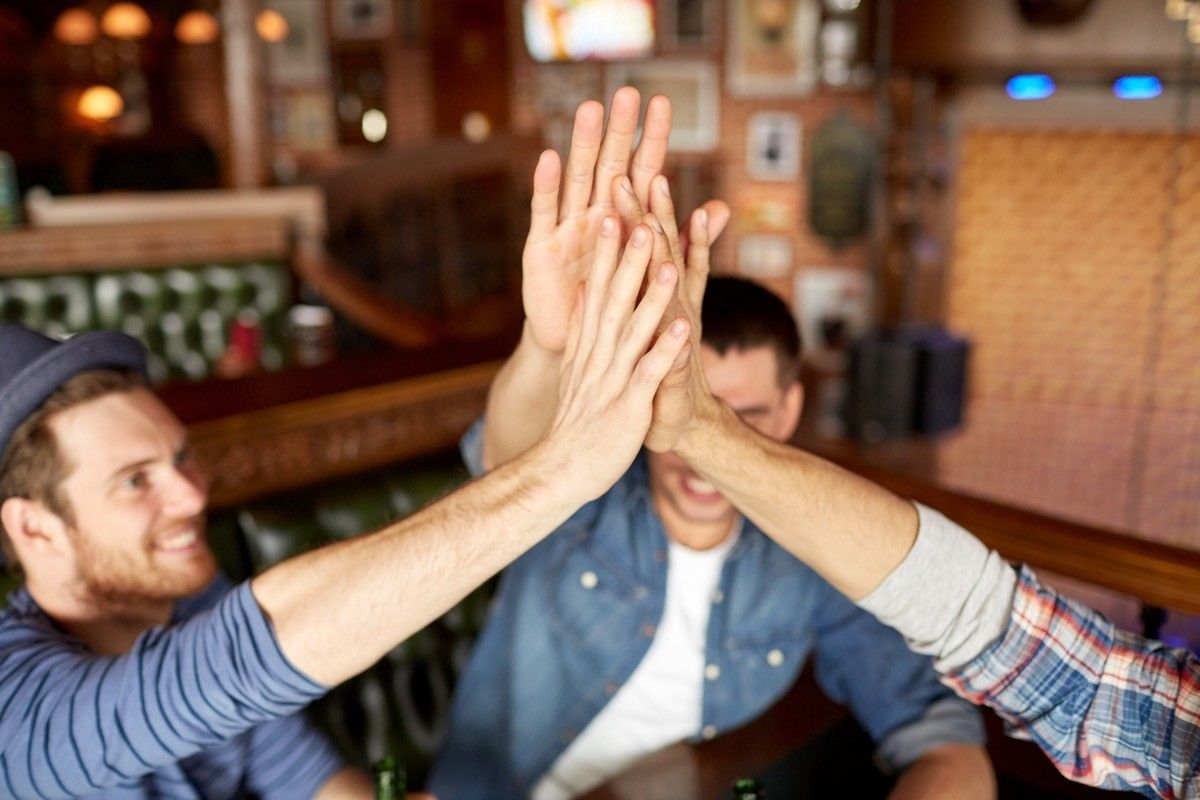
x: 124, y: 587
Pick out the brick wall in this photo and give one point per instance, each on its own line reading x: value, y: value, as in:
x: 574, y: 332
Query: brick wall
x: 1075, y: 274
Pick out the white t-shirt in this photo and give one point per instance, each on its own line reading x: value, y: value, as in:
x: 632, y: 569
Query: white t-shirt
x: 661, y: 703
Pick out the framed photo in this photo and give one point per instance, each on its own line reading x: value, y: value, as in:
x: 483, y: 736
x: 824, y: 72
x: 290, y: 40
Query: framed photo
x: 832, y: 306
x: 765, y: 256
x: 303, y: 56
x: 772, y: 47
x: 773, y: 146
x: 307, y: 120
x: 362, y: 19
x: 688, y: 25
x: 693, y: 89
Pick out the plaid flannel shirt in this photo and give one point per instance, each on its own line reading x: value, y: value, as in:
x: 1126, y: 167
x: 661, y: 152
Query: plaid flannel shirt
x: 1110, y: 708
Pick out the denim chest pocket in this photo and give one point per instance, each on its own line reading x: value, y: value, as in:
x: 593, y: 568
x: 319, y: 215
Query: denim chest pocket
x: 590, y: 601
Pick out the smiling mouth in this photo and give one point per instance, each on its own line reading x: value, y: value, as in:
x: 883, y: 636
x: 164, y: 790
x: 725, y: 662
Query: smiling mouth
x: 700, y: 488
x: 179, y: 543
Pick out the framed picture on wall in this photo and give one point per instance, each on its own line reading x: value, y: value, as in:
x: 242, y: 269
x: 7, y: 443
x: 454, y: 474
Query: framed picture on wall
x: 772, y: 47
x: 763, y: 256
x: 361, y: 19
x: 688, y: 25
x: 302, y: 57
x: 773, y: 146
x: 693, y: 89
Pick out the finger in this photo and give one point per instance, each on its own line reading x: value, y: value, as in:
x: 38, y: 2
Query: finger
x: 718, y: 219
x: 543, y: 216
x: 627, y: 206
x: 664, y: 209
x: 604, y: 264
x: 581, y: 163
x: 622, y: 298
x: 644, y: 322
x: 652, y: 149
x: 654, y: 366
x: 672, y: 403
x: 618, y: 140
x: 698, y: 250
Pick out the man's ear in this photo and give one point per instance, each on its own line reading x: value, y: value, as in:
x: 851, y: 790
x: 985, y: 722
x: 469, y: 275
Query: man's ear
x: 34, y: 530
x: 793, y: 404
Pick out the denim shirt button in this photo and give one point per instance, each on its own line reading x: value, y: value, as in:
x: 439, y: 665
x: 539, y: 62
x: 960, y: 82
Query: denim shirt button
x: 775, y: 658
x: 709, y: 731
x: 610, y: 688
x: 588, y: 580
x: 712, y: 672
x: 717, y: 596
x: 648, y: 631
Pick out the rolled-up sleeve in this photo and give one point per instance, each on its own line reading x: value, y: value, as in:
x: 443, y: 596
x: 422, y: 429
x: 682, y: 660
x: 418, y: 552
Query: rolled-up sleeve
x: 471, y: 447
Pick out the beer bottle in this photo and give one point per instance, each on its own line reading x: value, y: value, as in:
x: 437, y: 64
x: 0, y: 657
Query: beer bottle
x: 389, y: 779
x: 747, y: 789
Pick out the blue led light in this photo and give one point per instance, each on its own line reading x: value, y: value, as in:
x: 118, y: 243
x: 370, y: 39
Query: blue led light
x: 1137, y: 87
x: 1030, y: 87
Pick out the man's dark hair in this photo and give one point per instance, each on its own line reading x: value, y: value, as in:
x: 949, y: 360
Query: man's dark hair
x: 739, y: 315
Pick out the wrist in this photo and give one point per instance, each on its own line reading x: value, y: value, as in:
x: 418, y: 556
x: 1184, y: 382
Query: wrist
x: 709, y: 418
x: 553, y: 467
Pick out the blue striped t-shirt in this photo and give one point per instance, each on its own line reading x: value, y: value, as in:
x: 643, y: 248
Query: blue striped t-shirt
x: 205, y: 707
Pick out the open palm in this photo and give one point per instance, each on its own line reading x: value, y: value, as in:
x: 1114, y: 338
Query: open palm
x: 563, y: 230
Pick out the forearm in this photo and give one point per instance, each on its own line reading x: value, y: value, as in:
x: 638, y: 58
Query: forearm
x: 521, y: 401
x: 337, y: 610
x: 952, y: 771
x: 846, y: 528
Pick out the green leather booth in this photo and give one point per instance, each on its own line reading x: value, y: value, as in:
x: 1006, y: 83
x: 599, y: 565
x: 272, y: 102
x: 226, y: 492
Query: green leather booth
x: 181, y: 314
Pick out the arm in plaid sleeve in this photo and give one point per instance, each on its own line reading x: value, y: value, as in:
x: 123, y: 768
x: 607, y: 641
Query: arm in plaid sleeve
x: 1109, y: 708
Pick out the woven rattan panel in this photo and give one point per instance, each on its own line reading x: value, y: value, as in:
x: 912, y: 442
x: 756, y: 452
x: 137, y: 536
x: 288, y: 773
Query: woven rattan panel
x: 1077, y: 276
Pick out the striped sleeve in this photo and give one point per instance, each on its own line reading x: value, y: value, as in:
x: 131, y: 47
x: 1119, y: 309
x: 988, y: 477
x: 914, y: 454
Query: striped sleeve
x: 288, y: 760
x: 1109, y: 708
x: 72, y: 723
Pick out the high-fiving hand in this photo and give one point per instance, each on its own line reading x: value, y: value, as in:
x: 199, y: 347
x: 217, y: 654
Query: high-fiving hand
x: 566, y: 215
x: 613, y: 363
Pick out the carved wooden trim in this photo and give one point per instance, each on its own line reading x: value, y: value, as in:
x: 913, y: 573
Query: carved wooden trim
x: 290, y: 446
x: 94, y: 248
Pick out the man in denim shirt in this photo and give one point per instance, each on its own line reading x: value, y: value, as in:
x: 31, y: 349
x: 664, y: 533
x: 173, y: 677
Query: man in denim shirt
x: 658, y: 614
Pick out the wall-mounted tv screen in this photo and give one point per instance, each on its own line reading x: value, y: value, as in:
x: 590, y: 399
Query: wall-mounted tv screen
x: 577, y: 30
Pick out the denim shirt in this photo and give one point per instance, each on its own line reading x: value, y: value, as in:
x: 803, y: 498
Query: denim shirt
x: 557, y: 645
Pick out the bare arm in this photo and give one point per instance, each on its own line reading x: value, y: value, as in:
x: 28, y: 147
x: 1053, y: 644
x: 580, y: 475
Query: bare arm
x: 949, y: 772
x: 846, y: 528
x: 337, y: 610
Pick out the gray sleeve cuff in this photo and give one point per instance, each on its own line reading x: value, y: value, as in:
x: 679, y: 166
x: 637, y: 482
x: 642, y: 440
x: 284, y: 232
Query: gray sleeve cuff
x: 950, y: 597
x: 947, y: 721
x: 471, y: 447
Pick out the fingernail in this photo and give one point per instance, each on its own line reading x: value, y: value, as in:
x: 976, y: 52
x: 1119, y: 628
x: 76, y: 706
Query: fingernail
x: 639, y: 236
x: 662, y: 187
x: 664, y: 273
x: 626, y: 185
x: 608, y: 227
x: 678, y: 327
x: 704, y: 219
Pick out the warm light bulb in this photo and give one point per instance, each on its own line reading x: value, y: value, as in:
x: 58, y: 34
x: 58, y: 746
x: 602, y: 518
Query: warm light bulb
x: 197, y: 27
x: 271, y: 25
x: 100, y: 103
x: 125, y: 21
x: 76, y: 26
x: 374, y: 125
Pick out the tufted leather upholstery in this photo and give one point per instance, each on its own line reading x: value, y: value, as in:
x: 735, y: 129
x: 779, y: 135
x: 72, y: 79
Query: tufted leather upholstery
x: 181, y: 314
x: 399, y: 706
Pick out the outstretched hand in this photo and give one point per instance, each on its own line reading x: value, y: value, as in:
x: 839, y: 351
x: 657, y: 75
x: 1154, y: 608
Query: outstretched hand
x: 566, y: 214
x: 615, y: 359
